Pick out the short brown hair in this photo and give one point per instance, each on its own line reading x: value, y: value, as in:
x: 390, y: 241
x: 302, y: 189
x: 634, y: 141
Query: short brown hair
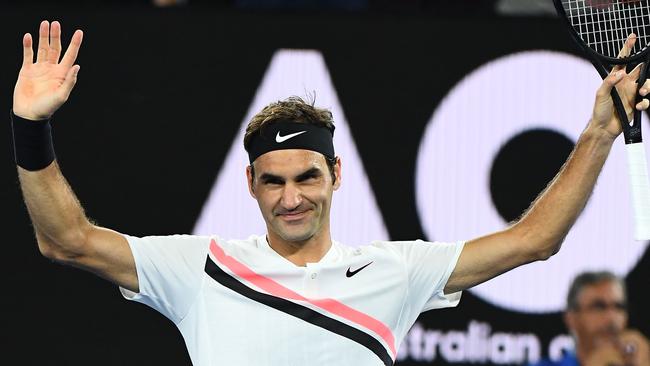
x: 293, y: 109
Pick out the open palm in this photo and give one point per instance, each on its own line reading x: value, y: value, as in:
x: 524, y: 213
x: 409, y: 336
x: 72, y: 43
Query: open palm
x: 43, y: 86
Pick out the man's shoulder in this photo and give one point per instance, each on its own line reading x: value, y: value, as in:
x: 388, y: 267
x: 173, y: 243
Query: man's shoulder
x: 253, y: 242
x: 546, y: 362
x: 569, y: 359
x: 190, y: 242
x: 392, y: 245
x: 385, y: 246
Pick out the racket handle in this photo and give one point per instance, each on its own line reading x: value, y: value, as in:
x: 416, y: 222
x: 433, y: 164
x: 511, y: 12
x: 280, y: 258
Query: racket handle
x: 640, y: 189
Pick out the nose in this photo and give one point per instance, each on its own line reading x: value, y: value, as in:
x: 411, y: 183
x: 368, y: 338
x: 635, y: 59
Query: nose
x: 614, y: 320
x: 291, y: 197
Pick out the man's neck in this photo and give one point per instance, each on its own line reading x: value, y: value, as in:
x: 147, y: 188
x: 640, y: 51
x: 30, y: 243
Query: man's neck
x: 311, y: 250
x: 582, y: 353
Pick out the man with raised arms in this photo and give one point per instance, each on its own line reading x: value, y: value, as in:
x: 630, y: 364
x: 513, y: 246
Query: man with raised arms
x: 293, y: 296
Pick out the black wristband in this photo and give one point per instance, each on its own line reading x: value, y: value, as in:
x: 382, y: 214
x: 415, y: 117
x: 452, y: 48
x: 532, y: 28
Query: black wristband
x: 33, y: 146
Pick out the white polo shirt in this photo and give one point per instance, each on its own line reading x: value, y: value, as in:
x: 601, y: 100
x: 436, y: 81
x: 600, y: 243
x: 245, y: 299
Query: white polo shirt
x: 238, y: 302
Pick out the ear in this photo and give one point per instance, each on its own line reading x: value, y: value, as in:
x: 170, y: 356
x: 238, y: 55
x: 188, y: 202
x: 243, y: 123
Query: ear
x: 337, y: 173
x: 570, y: 320
x: 249, y: 179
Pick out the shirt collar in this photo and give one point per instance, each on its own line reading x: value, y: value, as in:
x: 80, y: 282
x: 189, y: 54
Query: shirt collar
x: 331, y: 256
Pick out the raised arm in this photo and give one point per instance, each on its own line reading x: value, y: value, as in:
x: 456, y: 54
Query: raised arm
x: 541, y: 231
x: 63, y: 232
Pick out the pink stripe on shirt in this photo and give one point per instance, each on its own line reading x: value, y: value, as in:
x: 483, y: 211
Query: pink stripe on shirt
x: 330, y: 305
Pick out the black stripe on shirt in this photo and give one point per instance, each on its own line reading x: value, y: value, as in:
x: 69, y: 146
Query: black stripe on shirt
x: 299, y: 311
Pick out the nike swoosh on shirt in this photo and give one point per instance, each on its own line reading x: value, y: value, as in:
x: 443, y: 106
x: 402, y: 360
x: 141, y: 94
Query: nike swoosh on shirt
x: 280, y: 139
x: 378, y: 337
x: 349, y: 273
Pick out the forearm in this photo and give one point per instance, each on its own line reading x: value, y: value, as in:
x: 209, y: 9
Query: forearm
x: 556, y: 209
x: 59, y: 220
x: 541, y: 230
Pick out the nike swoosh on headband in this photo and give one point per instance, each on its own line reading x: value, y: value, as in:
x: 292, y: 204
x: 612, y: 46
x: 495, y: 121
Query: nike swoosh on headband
x: 280, y: 139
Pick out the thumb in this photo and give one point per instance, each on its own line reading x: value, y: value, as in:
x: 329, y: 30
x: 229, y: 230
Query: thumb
x: 610, y: 81
x: 68, y: 84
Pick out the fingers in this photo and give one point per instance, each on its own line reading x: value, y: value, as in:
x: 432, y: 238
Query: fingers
x: 28, y: 52
x: 68, y: 84
x: 49, y: 45
x: 610, y: 81
x: 630, y: 343
x: 73, y: 49
x: 643, y: 104
x: 626, y: 50
x: 43, y: 41
x: 636, y: 72
x: 55, y: 43
x: 627, y: 46
x: 644, y: 91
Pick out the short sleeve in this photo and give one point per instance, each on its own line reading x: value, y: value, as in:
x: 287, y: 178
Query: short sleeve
x: 170, y: 271
x: 429, y: 266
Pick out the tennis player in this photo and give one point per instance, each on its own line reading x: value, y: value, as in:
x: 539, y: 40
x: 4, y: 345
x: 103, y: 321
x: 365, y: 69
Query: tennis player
x: 292, y: 296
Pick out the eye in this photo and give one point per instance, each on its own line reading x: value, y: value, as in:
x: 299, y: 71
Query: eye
x: 601, y: 306
x: 598, y: 306
x: 272, y: 181
x: 312, y: 179
x: 308, y: 178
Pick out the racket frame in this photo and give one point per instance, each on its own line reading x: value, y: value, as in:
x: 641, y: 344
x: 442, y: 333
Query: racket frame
x: 631, y: 129
x: 636, y: 58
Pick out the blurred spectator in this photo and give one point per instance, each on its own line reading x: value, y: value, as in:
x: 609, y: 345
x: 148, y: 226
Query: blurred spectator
x: 596, y: 317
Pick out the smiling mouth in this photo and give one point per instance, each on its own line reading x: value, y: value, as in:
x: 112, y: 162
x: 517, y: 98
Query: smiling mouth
x: 293, y: 216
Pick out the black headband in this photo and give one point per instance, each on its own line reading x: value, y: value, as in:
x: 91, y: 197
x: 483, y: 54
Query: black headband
x: 290, y: 135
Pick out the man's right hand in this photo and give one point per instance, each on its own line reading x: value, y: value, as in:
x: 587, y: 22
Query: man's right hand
x: 43, y: 86
x: 63, y: 231
x: 630, y: 348
x: 635, y: 347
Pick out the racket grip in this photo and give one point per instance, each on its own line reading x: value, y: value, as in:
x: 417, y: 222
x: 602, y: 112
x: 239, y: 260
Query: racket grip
x: 640, y: 189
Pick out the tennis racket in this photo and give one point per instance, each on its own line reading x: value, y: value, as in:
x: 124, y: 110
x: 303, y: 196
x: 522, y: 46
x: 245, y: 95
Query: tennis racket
x: 601, y: 27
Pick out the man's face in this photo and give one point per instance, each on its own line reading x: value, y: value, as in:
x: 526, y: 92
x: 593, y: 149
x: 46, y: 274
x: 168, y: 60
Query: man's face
x: 601, y: 314
x: 294, y: 191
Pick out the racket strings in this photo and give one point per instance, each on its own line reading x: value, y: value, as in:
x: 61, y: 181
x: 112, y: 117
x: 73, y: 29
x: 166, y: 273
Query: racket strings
x: 604, y: 25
